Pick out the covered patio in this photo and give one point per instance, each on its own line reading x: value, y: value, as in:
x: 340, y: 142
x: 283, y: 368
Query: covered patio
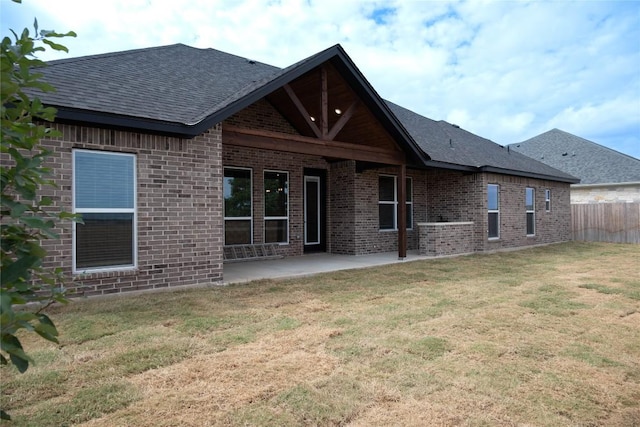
x: 307, y: 265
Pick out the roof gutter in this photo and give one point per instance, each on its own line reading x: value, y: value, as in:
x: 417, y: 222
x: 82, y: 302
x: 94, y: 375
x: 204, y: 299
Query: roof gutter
x: 492, y: 169
x: 66, y: 114
x: 567, y: 179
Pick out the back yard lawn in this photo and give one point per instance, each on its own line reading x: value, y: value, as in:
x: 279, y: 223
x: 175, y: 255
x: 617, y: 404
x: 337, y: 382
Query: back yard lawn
x: 546, y: 336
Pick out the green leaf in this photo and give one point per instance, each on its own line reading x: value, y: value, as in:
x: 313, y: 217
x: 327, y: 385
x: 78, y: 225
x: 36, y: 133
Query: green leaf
x: 34, y: 222
x: 55, y: 46
x: 18, y: 270
x: 48, y: 332
x: 44, y: 319
x: 21, y: 362
x: 18, y: 357
x: 18, y: 210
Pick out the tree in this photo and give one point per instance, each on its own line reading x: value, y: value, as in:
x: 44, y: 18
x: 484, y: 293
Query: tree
x: 27, y: 288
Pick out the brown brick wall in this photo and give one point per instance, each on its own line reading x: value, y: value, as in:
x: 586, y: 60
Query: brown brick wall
x: 354, y: 214
x: 551, y: 227
x: 261, y: 115
x: 454, y: 196
x: 259, y: 161
x: 179, y: 205
x: 457, y: 196
x: 342, y: 195
x: 439, y: 239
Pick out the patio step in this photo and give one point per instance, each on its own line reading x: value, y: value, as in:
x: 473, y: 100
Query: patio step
x: 239, y: 253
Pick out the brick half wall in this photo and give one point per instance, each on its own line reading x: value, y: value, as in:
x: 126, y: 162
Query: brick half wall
x: 446, y: 238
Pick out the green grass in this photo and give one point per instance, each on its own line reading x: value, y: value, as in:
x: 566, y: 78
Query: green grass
x: 546, y: 336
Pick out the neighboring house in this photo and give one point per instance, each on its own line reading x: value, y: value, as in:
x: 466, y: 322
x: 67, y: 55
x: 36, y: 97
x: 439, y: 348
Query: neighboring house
x: 606, y: 175
x: 606, y: 202
x: 175, y: 156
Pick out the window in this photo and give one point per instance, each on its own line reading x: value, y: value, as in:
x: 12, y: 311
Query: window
x: 530, y: 210
x: 547, y: 200
x: 493, y: 209
x: 388, y: 202
x: 276, y: 207
x: 238, y: 224
x: 104, y: 189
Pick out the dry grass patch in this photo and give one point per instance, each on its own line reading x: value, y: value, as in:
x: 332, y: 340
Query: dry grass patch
x: 546, y: 337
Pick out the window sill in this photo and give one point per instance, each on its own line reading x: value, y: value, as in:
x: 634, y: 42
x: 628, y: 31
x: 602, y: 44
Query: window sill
x: 107, y: 270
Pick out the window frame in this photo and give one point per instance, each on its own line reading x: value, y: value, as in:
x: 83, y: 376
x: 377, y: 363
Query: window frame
x: 237, y: 218
x: 547, y: 200
x: 266, y: 218
x: 531, y: 211
x: 133, y: 210
x: 494, y: 211
x: 394, y: 202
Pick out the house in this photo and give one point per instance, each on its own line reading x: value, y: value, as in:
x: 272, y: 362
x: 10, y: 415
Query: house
x: 177, y: 157
x: 606, y: 175
x: 606, y: 203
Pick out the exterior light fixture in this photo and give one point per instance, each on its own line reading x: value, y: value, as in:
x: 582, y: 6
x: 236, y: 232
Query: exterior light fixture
x: 313, y: 119
x: 338, y: 111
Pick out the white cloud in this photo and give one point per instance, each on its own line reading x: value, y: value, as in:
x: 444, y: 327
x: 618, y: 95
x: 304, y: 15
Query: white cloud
x: 504, y: 70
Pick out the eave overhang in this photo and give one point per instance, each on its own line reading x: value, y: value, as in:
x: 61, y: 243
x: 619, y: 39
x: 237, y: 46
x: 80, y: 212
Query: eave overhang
x: 492, y: 169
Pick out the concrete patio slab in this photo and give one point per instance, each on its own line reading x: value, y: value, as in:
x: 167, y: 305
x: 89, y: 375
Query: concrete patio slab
x: 242, y: 272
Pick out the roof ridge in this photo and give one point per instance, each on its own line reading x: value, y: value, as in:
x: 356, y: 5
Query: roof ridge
x: 581, y: 138
x: 112, y: 54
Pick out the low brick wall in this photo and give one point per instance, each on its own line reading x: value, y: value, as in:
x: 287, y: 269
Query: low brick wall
x: 445, y: 238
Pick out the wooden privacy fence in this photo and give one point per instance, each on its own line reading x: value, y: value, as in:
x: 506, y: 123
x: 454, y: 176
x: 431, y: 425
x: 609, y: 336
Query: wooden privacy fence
x: 606, y: 222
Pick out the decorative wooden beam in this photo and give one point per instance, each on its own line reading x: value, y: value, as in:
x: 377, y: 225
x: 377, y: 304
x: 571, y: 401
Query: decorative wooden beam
x: 337, y: 127
x: 402, y: 211
x: 307, y: 117
x: 276, y: 141
x: 324, y: 102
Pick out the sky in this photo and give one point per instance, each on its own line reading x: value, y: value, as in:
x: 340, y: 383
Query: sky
x: 505, y: 70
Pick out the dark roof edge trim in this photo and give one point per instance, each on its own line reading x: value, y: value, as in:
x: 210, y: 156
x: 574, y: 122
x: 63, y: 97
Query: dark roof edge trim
x: 126, y: 122
x: 492, y: 169
x: 451, y: 166
x: 526, y: 174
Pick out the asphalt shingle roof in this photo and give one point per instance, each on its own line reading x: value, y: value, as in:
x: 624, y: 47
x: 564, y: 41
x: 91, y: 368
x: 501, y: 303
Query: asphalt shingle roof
x: 186, y: 86
x: 591, y: 162
x: 450, y: 144
x: 175, y: 83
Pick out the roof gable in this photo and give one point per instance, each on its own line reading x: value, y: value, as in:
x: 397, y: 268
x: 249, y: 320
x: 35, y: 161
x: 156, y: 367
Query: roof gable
x: 183, y: 90
x: 591, y: 162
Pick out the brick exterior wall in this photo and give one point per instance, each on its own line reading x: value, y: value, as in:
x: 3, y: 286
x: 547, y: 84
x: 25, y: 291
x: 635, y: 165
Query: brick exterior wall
x: 550, y: 227
x: 454, y: 196
x: 438, y: 196
x: 458, y: 197
x: 180, y: 228
x: 259, y: 161
x: 368, y: 236
x: 446, y: 238
x: 342, y: 196
x: 262, y: 115
x: 179, y: 208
